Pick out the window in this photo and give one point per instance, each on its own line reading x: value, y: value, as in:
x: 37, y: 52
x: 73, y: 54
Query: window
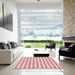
x: 40, y: 23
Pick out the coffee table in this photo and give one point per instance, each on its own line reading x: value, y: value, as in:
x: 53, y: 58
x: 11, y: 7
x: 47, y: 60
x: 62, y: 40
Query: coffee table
x: 40, y: 53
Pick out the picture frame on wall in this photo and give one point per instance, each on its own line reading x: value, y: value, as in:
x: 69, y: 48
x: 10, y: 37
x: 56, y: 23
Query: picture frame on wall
x: 1, y: 15
x: 6, y: 17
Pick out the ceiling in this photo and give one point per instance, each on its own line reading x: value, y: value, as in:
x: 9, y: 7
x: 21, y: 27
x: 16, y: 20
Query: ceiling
x: 51, y: 1
x: 34, y: 4
x: 42, y: 4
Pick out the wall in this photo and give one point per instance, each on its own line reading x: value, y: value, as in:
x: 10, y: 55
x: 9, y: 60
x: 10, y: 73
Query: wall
x: 39, y: 6
x: 68, y: 18
x: 6, y: 35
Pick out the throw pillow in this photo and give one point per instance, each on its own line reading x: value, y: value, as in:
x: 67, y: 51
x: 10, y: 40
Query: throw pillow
x: 13, y: 44
x: 9, y: 46
x: 3, y: 45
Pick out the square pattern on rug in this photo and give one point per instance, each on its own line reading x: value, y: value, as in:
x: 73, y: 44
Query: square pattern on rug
x: 37, y: 62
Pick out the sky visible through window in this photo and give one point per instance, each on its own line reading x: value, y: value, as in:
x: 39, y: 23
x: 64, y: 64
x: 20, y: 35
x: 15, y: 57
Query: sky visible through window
x: 41, y: 23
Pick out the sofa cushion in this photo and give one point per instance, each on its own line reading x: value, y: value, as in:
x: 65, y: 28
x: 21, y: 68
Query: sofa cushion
x: 17, y: 51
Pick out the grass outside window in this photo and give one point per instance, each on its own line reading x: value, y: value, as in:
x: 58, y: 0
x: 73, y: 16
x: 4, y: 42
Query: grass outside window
x: 40, y: 44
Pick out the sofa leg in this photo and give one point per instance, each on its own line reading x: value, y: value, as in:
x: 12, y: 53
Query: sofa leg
x: 45, y: 49
x: 59, y: 57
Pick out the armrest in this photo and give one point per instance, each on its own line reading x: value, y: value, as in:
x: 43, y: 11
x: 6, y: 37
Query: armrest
x: 6, y: 57
x: 20, y: 45
x: 46, y: 45
x: 63, y: 47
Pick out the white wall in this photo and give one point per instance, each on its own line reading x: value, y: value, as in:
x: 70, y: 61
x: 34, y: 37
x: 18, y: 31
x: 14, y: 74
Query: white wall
x: 6, y: 35
x: 39, y: 6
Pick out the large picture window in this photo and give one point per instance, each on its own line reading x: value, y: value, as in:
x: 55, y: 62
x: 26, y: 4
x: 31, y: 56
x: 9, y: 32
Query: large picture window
x: 40, y: 26
x: 41, y: 23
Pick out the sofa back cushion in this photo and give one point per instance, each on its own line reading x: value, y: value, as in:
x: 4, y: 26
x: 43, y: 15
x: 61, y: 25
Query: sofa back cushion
x: 52, y: 44
x: 72, y: 48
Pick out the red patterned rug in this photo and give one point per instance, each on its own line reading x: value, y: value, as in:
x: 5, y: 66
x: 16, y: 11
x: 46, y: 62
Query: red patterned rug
x: 37, y: 62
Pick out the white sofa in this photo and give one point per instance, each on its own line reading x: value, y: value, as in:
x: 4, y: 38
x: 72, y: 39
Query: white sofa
x: 9, y: 55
